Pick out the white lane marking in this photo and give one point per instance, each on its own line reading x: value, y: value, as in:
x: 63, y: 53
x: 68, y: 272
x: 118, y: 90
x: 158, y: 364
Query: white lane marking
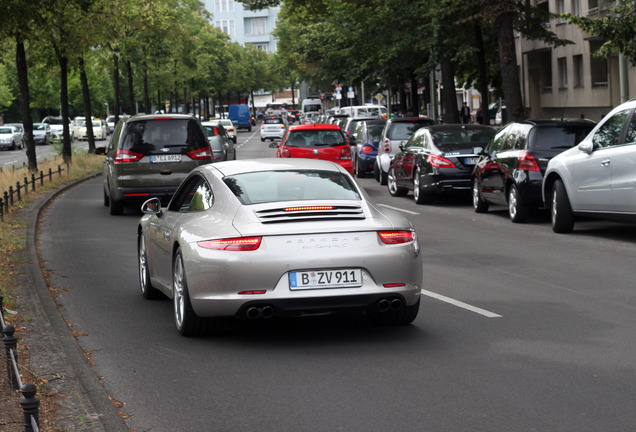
x: 463, y: 305
x: 398, y: 209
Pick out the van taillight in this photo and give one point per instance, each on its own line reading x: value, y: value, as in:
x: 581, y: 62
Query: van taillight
x: 125, y: 156
x: 204, y: 153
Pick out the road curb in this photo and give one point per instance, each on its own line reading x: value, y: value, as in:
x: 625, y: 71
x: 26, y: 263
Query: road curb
x: 90, y: 387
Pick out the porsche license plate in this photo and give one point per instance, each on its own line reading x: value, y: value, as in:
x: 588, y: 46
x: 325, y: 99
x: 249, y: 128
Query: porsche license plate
x: 165, y: 158
x: 319, y: 279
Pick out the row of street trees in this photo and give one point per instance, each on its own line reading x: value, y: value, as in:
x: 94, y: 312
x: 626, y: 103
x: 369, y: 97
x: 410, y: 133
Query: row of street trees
x: 81, y: 53
x: 397, y: 43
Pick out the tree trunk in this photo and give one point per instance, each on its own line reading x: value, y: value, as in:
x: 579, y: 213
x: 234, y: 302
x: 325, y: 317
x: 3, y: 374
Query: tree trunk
x: 511, y: 86
x: 88, y: 112
x: 116, y: 107
x: 67, y: 154
x: 131, y: 91
x: 482, y: 70
x: 415, y: 106
x: 147, y: 106
x: 25, y: 104
x: 449, y: 97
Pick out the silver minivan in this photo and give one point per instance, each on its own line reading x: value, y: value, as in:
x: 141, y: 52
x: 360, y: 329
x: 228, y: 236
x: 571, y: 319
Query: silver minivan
x: 149, y: 156
x: 597, y: 177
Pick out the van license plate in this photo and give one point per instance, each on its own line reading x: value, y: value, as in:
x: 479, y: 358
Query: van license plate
x: 165, y: 158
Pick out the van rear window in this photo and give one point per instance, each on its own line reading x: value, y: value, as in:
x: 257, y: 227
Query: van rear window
x: 165, y: 136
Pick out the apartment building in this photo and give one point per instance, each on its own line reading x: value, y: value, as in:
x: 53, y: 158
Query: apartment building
x: 570, y: 81
x: 245, y: 26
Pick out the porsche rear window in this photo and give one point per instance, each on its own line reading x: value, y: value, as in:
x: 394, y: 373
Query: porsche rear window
x: 272, y: 186
x: 166, y: 136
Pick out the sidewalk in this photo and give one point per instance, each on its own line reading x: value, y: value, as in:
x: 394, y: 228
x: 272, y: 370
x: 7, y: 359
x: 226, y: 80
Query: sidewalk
x: 54, y: 354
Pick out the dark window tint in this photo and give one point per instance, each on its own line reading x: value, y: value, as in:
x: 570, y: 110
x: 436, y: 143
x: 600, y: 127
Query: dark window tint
x: 458, y: 139
x: 375, y: 132
x: 404, y: 130
x: 631, y: 132
x: 609, y: 133
x: 315, y: 138
x: 163, y: 136
x: 557, y: 137
x: 273, y: 121
x: 272, y: 186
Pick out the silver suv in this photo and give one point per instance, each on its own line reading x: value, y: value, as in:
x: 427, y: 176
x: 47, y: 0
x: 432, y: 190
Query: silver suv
x: 149, y: 156
x: 597, y: 177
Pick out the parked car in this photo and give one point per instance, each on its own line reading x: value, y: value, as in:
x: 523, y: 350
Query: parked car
x: 20, y: 128
x: 272, y: 128
x: 597, y: 178
x: 319, y: 141
x: 364, y: 111
x: 10, y: 138
x: 437, y: 159
x: 349, y: 124
x: 220, y: 142
x: 396, y: 131
x: 57, y: 126
x: 364, y: 140
x: 42, y: 133
x: 510, y: 170
x: 309, y: 117
x: 149, y: 156
x: 99, y: 130
x: 312, y: 241
x: 110, y: 122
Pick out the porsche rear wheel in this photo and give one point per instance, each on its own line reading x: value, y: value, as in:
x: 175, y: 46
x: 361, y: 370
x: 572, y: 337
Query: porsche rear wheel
x: 147, y: 290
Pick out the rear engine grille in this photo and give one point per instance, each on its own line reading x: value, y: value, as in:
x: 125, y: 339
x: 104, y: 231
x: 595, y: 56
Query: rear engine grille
x: 310, y: 213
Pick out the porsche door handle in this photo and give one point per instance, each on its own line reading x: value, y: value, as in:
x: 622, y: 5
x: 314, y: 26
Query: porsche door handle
x: 606, y: 162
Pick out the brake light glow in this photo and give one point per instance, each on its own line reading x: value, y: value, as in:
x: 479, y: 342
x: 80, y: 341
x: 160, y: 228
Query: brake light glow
x: 440, y: 162
x: 163, y: 118
x: 125, y: 156
x: 204, y: 153
x: 232, y: 244
x: 308, y: 208
x: 527, y: 162
x: 367, y: 149
x: 396, y: 237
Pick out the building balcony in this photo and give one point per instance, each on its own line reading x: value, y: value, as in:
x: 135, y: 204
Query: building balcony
x: 256, y: 14
x: 258, y: 38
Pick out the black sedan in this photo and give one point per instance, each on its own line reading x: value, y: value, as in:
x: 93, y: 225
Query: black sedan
x: 437, y: 159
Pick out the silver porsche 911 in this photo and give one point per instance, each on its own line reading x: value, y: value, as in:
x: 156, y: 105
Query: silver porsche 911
x: 277, y: 237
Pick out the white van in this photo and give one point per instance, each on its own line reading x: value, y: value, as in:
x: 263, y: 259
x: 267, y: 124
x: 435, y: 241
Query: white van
x: 364, y: 111
x: 311, y: 105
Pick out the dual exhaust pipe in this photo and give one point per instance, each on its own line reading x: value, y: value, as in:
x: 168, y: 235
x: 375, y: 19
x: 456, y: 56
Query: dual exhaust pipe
x: 387, y: 304
x: 255, y: 312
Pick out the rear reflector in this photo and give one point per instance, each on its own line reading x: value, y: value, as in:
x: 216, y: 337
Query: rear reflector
x: 252, y: 292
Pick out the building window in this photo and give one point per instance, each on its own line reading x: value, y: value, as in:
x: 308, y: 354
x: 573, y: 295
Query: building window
x: 592, y: 7
x: 576, y: 7
x: 577, y: 60
x: 546, y: 71
x: 257, y: 26
x: 598, y: 66
x: 223, y: 5
x: 261, y: 47
x: 227, y: 26
x: 562, y: 66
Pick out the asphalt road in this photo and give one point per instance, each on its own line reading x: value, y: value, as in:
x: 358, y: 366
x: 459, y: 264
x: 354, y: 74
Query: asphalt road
x: 18, y: 158
x: 520, y: 329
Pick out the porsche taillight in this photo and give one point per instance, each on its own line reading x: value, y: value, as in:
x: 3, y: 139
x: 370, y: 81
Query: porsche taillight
x: 397, y: 237
x: 232, y: 244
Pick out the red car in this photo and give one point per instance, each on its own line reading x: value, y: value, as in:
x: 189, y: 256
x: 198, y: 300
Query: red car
x: 317, y: 141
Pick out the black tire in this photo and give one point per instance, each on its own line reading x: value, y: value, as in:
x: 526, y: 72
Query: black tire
x: 479, y: 205
x: 419, y: 196
x: 376, y: 172
x: 262, y: 139
x: 383, y: 177
x: 394, y: 189
x: 517, y: 210
x: 106, y: 199
x: 402, y: 316
x: 116, y: 208
x: 561, y: 211
x: 356, y: 169
x: 13, y: 145
x: 147, y: 290
x: 249, y: 129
